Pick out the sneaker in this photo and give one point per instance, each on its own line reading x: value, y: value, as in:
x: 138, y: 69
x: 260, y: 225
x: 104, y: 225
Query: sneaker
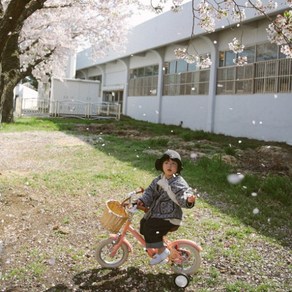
x: 158, y: 258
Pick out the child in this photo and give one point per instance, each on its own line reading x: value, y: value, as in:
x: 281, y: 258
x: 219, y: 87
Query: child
x: 165, y: 197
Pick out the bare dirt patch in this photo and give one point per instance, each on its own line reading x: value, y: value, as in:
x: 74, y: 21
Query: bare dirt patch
x: 36, y: 225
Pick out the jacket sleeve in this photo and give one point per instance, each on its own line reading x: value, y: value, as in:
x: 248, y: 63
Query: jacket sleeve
x: 149, y: 193
x: 181, y: 190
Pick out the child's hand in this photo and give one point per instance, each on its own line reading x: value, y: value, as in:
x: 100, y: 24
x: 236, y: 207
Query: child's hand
x: 140, y: 203
x: 191, y: 198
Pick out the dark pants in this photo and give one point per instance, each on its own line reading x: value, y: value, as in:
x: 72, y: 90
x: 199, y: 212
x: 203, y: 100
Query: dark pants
x: 154, y: 229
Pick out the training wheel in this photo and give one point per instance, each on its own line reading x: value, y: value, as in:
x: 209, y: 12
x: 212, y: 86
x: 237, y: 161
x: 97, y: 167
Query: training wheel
x: 181, y: 281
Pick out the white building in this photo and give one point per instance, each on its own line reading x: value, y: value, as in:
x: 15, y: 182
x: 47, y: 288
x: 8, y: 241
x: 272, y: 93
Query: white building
x: 25, y: 98
x: 151, y: 84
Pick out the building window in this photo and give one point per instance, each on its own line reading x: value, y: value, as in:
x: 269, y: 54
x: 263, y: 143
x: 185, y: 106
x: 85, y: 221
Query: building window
x: 181, y: 78
x: 262, y: 77
x: 181, y: 66
x: 266, y: 71
x: 143, y: 81
x: 227, y: 58
x: 267, y: 51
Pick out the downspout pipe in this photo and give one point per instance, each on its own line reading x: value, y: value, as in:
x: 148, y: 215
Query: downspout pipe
x: 126, y: 62
x: 160, y: 55
x: 212, y: 82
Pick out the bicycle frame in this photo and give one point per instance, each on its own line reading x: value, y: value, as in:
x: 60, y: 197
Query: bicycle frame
x: 120, y: 238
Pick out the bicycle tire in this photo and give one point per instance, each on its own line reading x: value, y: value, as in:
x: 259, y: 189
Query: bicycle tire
x: 189, y: 258
x: 104, y: 258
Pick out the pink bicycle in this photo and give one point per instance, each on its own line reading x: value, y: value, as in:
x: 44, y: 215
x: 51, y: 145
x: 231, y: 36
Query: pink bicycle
x: 184, y: 258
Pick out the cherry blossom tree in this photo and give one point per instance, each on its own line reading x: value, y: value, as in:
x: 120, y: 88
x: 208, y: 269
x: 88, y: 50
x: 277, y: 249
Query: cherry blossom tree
x: 38, y: 37
x: 207, y: 12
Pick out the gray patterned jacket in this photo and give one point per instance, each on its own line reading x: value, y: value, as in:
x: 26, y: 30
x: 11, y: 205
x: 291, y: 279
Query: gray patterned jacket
x: 161, y: 205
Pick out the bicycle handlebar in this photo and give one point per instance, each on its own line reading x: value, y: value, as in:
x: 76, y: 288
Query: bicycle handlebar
x: 138, y: 191
x: 131, y: 194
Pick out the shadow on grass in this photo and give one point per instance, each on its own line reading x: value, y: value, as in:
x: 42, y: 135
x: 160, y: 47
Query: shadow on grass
x: 131, y: 279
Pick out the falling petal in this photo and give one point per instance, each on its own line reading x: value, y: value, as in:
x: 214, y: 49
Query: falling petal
x: 193, y: 155
x: 254, y: 194
x: 235, y: 178
x: 256, y: 211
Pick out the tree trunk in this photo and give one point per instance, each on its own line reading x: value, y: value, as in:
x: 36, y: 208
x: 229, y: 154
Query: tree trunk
x: 9, y: 77
x: 8, y: 106
x: 11, y: 22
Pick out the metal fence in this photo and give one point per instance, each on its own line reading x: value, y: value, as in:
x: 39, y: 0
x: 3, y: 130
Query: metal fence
x: 70, y: 108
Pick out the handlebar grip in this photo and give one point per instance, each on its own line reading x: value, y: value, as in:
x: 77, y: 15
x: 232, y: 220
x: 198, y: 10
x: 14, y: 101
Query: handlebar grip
x: 141, y: 190
x: 142, y: 208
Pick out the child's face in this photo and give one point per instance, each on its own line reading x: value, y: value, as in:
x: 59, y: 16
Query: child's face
x: 169, y: 168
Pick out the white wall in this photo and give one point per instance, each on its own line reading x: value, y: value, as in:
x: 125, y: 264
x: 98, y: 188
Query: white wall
x: 74, y: 89
x: 144, y: 108
x: 260, y: 116
x: 191, y: 110
x: 115, y: 75
x: 264, y: 117
x: 150, y: 58
x: 26, y: 92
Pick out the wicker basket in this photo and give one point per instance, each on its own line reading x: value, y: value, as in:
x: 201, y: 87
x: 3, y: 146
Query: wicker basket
x: 114, y: 216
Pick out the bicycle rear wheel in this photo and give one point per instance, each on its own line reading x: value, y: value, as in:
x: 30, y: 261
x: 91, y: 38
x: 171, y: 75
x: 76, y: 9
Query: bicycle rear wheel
x: 103, y: 254
x: 187, y: 258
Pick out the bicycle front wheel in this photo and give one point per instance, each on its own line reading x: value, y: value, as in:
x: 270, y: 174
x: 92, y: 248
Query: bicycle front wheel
x: 187, y: 258
x: 103, y: 254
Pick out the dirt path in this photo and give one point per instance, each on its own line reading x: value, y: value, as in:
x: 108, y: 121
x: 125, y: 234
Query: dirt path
x: 34, y: 226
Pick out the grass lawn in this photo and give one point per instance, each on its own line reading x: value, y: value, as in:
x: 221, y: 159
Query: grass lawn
x: 57, y: 173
